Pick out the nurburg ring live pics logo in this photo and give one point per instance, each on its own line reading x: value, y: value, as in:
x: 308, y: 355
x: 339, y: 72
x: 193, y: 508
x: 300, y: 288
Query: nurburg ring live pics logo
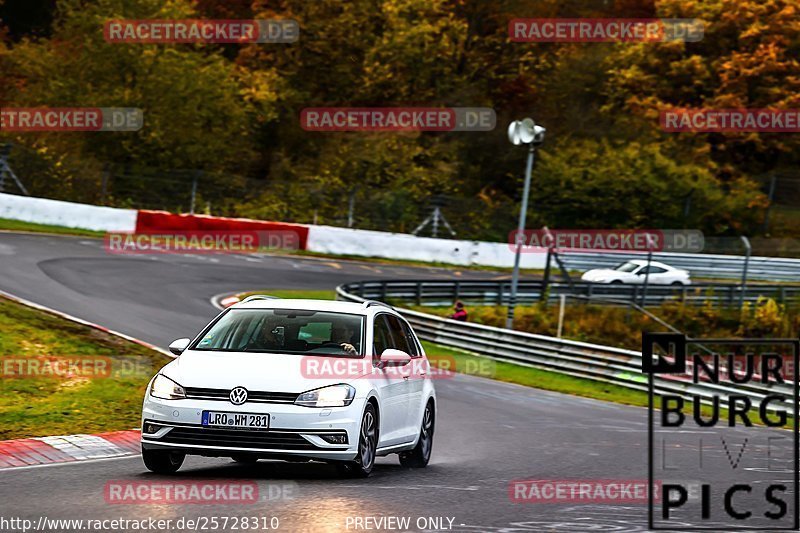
x: 724, y: 411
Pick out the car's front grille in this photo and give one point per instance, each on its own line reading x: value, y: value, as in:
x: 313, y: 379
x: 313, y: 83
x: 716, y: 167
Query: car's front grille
x: 252, y: 396
x: 237, y: 438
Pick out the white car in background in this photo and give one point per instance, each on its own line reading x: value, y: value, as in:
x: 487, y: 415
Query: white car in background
x: 636, y: 270
x: 294, y: 380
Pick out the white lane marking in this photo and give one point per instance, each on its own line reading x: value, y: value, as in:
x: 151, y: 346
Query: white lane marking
x: 84, y: 446
x: 67, y: 463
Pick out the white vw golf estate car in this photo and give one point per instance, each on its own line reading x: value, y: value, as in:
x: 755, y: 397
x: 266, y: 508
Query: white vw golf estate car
x: 295, y: 380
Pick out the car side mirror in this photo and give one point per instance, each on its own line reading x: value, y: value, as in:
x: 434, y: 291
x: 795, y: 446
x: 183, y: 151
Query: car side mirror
x: 179, y: 345
x: 392, y: 357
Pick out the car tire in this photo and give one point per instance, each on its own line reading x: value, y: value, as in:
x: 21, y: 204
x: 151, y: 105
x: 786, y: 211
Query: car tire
x: 421, y: 454
x: 616, y: 282
x: 677, y: 284
x: 162, y: 461
x: 367, y: 446
x: 245, y: 459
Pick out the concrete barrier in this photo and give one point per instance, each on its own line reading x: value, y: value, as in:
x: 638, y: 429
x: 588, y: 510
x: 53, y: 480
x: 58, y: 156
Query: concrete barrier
x: 66, y: 214
x: 365, y: 243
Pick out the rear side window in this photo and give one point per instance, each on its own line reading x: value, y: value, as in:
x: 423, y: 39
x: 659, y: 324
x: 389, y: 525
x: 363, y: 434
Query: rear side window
x: 412, y: 342
x: 381, y: 337
x: 401, y: 335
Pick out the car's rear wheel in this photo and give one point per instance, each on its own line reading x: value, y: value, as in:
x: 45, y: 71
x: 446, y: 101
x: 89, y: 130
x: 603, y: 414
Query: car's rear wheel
x: 677, y: 284
x: 367, y: 445
x: 421, y: 454
x: 162, y: 461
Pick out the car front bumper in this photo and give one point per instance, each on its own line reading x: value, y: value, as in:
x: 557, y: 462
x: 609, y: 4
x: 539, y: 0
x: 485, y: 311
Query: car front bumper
x: 294, y: 431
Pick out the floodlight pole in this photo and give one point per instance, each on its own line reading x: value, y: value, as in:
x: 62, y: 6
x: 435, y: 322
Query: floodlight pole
x: 519, y: 237
x: 650, y: 245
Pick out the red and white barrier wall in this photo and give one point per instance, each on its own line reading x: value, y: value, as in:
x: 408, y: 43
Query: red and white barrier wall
x: 322, y: 239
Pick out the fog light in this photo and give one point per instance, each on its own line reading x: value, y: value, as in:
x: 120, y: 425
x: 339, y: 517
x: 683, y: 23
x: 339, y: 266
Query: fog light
x: 335, y: 438
x: 151, y: 428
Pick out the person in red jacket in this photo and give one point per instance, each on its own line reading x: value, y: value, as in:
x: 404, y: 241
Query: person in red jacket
x: 460, y: 314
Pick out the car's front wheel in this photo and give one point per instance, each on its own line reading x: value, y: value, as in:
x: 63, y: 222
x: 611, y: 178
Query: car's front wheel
x: 162, y: 461
x: 421, y: 454
x: 367, y: 445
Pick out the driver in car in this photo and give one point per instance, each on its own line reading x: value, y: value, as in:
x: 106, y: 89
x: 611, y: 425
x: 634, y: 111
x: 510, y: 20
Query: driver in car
x: 342, y: 334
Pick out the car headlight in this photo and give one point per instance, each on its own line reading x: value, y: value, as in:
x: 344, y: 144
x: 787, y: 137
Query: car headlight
x: 166, y: 389
x: 333, y: 396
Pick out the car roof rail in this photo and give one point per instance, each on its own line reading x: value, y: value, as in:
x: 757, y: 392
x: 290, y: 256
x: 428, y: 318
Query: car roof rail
x: 253, y: 297
x: 370, y: 303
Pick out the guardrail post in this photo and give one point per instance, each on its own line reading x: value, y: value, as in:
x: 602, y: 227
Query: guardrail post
x: 419, y: 293
x: 500, y: 293
x: 361, y: 289
x: 456, y: 292
x: 546, y: 278
x: 383, y: 291
x: 748, y: 249
x: 783, y: 295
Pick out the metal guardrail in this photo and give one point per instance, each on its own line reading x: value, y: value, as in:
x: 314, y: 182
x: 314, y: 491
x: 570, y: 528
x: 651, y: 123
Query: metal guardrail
x: 579, y: 359
x: 702, y: 265
x: 497, y: 292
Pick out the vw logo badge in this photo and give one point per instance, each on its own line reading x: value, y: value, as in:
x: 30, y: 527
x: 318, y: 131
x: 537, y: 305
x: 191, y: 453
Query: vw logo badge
x: 238, y: 395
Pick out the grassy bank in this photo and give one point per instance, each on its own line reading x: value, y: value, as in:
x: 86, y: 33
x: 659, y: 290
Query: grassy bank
x: 59, y: 377
x: 16, y: 225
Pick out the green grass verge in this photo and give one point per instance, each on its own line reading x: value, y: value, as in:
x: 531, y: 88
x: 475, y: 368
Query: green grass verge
x: 291, y: 293
x: 73, y: 402
x: 467, y: 363
x: 17, y: 225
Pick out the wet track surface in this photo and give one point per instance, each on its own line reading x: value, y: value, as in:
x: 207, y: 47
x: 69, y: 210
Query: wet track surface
x: 488, y: 433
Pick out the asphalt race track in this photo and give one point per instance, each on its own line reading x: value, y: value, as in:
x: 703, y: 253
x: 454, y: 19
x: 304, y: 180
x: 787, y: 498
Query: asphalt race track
x: 488, y: 433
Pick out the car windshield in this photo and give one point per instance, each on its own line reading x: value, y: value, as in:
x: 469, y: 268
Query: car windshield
x: 291, y: 331
x: 626, y: 267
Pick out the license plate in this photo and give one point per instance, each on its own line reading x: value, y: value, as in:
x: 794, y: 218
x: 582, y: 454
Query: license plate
x: 235, y: 420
